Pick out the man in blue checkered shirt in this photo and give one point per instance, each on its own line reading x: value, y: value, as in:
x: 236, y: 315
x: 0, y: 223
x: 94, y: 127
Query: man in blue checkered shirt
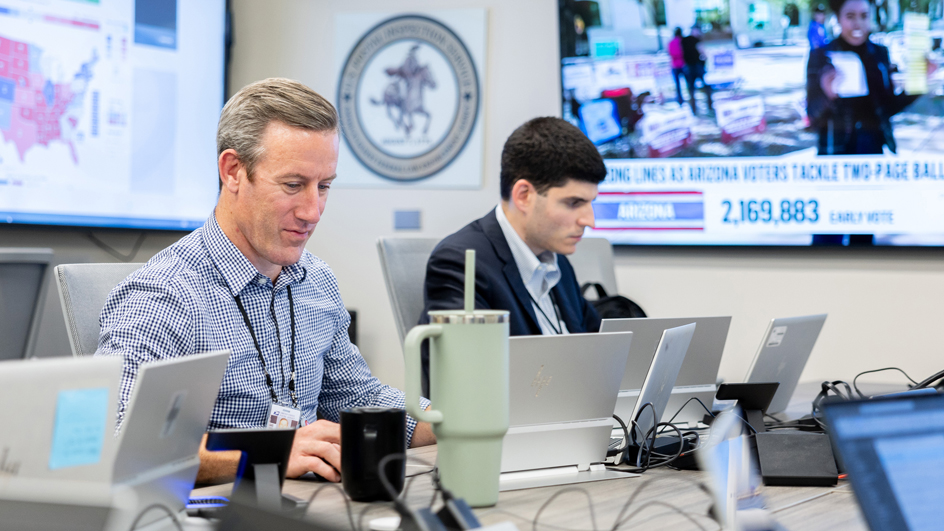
x: 245, y: 278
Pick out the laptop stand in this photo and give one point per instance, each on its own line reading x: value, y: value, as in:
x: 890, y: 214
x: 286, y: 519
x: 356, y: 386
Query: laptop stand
x: 560, y: 453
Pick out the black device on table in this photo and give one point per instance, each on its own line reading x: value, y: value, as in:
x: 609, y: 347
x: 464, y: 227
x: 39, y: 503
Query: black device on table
x: 261, y: 472
x: 786, y: 458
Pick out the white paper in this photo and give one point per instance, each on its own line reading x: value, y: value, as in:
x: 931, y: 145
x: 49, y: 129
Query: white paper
x: 850, y: 75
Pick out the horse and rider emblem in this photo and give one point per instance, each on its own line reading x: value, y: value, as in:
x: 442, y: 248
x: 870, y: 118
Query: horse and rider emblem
x: 403, y: 97
x: 408, y: 98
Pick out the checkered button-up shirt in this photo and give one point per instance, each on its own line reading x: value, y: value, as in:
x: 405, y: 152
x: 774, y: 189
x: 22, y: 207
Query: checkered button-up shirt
x: 182, y: 302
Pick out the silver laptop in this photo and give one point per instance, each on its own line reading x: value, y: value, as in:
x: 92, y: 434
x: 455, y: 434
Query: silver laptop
x: 159, y: 450
x: 733, y: 480
x: 783, y: 353
x: 64, y: 505
x: 562, y: 395
x: 660, y: 379
x: 63, y: 414
x: 58, y: 418
x: 698, y: 375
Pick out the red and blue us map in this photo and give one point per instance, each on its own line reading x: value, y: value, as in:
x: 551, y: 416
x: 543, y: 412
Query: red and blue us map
x: 33, y: 109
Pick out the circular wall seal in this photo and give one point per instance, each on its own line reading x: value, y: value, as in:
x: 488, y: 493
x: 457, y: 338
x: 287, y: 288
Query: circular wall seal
x: 408, y: 98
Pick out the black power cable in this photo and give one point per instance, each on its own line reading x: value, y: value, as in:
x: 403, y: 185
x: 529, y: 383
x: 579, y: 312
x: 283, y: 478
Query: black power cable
x: 148, y: 509
x: 347, y: 501
x: 686, y: 403
x: 647, y: 444
x: 382, y: 474
x: 593, y: 517
x: 114, y: 252
x: 856, y: 387
x: 927, y: 382
x: 660, y: 503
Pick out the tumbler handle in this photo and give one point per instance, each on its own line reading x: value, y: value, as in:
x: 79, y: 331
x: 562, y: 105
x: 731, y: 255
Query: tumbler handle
x: 411, y: 353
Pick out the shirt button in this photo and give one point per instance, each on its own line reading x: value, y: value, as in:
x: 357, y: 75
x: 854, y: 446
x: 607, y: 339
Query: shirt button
x: 261, y: 281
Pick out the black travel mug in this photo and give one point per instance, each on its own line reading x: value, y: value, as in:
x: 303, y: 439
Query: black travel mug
x: 368, y: 434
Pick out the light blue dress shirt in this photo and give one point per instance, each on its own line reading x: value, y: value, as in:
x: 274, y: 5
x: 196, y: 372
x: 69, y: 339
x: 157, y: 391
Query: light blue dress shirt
x: 182, y: 302
x: 539, y: 273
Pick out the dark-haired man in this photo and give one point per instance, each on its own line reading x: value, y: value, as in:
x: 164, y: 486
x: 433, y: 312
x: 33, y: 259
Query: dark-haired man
x: 549, y: 176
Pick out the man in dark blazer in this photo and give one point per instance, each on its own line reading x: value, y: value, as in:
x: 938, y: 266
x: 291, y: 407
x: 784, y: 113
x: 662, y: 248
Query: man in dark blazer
x: 549, y: 176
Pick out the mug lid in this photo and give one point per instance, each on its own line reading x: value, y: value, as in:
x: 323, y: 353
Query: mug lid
x: 463, y: 317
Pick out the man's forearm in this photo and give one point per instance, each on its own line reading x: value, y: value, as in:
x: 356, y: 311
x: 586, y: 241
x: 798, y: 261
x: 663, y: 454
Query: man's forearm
x: 422, y: 435
x: 217, y: 467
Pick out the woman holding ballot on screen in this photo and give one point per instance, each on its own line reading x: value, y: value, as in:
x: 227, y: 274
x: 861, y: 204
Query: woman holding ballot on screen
x: 849, y: 90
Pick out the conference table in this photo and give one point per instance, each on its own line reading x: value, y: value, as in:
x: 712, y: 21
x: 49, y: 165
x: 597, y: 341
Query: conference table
x: 661, y: 498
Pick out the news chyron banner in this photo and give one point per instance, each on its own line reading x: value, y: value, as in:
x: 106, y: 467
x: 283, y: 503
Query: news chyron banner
x: 760, y: 201
x: 758, y: 128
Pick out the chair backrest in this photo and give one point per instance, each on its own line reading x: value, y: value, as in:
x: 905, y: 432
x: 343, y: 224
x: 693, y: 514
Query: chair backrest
x: 24, y: 275
x: 403, y: 261
x: 593, y: 262
x: 83, y: 289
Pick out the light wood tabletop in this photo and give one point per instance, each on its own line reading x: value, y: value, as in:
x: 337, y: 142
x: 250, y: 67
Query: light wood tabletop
x: 660, y: 499
x: 660, y: 496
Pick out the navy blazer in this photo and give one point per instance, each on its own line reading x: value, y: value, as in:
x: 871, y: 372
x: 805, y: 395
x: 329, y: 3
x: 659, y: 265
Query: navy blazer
x: 498, y: 283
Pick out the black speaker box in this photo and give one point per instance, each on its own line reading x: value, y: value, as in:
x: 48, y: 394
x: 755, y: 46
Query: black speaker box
x: 797, y: 459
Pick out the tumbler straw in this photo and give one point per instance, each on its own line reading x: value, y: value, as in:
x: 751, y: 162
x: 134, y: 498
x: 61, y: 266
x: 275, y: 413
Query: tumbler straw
x: 469, y: 280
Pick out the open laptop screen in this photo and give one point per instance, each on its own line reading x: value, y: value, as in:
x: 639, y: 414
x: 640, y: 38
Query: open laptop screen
x: 893, y: 451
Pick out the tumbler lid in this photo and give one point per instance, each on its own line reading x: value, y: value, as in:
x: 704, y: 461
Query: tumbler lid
x: 463, y: 317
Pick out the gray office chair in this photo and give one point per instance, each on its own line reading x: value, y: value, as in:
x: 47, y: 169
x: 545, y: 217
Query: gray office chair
x: 24, y: 275
x: 403, y: 261
x: 83, y: 289
x: 593, y: 262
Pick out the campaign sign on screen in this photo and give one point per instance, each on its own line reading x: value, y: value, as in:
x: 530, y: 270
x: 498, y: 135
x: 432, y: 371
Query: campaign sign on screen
x: 734, y: 127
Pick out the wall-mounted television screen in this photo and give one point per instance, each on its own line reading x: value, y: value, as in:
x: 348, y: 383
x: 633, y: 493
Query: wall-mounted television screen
x: 760, y: 122
x: 108, y: 111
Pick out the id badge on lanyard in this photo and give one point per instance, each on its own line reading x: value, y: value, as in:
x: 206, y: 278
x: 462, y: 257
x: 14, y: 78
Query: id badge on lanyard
x: 280, y: 416
x: 284, y: 417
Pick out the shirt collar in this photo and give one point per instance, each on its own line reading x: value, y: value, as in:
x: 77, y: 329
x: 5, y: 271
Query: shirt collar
x: 538, y: 272
x: 237, y: 271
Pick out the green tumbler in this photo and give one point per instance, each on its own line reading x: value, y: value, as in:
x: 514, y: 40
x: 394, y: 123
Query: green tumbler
x: 468, y: 379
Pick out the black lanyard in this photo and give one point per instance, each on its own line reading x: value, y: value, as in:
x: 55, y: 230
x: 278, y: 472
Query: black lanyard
x: 559, y: 329
x: 268, y: 379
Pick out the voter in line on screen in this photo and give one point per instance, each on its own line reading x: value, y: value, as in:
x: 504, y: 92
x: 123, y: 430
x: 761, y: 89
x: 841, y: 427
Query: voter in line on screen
x: 549, y: 176
x: 678, y: 62
x: 245, y: 282
x: 695, y: 67
x: 850, y: 94
x: 817, y: 30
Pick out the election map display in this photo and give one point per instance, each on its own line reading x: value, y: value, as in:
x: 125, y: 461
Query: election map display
x: 748, y: 122
x: 108, y: 111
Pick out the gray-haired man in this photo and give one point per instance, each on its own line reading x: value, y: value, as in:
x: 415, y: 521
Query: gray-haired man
x: 245, y: 282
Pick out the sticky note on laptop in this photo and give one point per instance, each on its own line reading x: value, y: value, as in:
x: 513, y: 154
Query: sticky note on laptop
x: 79, y: 430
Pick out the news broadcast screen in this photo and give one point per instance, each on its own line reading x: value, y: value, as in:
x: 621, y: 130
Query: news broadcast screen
x: 760, y: 122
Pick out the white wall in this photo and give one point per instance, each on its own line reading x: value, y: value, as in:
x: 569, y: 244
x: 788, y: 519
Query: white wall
x: 883, y: 305
x: 295, y: 38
